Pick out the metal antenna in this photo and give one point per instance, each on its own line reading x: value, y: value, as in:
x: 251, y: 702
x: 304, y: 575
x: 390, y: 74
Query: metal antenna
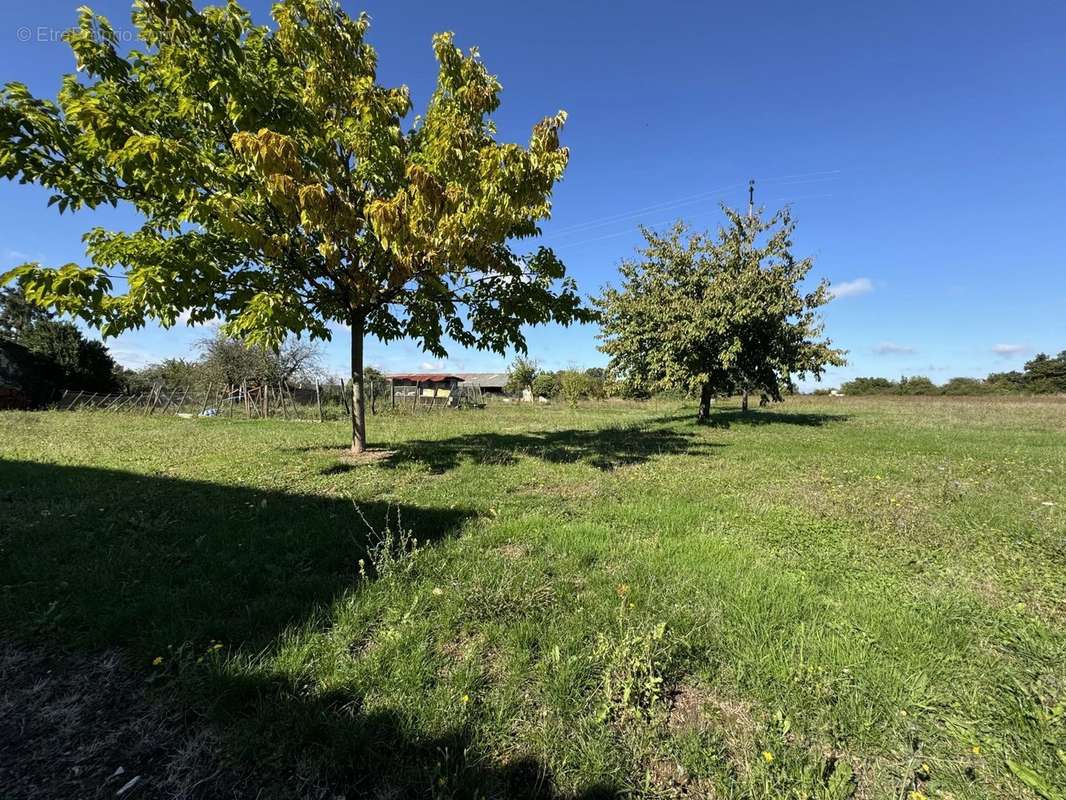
x: 751, y: 199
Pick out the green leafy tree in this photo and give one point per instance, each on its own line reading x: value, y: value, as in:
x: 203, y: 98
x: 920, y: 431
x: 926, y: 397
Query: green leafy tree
x: 279, y: 189
x: 1012, y: 381
x: 232, y: 361
x: 573, y: 386
x: 85, y: 364
x: 17, y: 314
x: 917, y: 385
x: 173, y: 373
x: 521, y: 374
x: 1045, y: 374
x: 865, y: 386
x: 965, y: 386
x: 597, y: 382
x: 70, y: 360
x: 715, y: 316
x: 546, y: 385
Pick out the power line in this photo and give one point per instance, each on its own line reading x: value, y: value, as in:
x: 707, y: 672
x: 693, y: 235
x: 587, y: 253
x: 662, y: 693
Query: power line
x: 598, y: 222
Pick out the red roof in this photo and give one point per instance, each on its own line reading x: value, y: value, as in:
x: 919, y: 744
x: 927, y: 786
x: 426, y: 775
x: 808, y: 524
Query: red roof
x: 425, y: 376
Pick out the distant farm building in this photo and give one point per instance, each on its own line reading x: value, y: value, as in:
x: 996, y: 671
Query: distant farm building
x: 446, y: 389
x: 425, y: 387
x: 494, y: 383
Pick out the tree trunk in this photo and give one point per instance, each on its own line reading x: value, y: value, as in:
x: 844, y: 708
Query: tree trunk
x: 705, y: 402
x: 744, y: 401
x: 358, y: 410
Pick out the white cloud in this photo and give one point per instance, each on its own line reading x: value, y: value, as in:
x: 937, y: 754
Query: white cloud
x: 16, y: 255
x: 183, y: 319
x: 133, y: 358
x: 431, y: 365
x: 851, y: 288
x: 1008, y: 350
x: 893, y: 349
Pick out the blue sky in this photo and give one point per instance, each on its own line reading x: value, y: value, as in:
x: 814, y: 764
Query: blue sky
x: 921, y: 146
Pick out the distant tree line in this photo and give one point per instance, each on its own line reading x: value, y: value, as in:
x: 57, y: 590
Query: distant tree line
x: 1044, y: 374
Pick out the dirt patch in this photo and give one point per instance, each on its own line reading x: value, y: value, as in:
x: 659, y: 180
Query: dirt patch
x: 688, y: 709
x: 459, y: 648
x: 83, y: 726
x: 695, y: 708
x: 513, y: 551
x: 368, y: 456
x: 670, y: 779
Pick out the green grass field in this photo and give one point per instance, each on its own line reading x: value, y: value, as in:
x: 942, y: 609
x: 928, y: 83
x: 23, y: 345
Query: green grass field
x: 835, y: 598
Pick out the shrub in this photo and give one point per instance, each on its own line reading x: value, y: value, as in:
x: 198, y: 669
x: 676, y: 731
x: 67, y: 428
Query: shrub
x: 573, y: 385
x: 919, y: 384
x: 966, y: 386
x: 545, y: 385
x: 861, y: 386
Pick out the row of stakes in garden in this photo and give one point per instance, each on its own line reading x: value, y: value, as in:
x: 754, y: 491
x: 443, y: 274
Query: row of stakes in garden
x: 260, y: 401
x: 217, y: 400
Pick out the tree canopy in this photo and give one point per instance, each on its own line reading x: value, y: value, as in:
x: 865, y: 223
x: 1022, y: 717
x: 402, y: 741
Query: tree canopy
x: 280, y: 190
x: 716, y: 316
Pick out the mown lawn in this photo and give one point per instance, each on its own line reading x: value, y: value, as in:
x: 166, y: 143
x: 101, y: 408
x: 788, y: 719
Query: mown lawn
x: 837, y: 597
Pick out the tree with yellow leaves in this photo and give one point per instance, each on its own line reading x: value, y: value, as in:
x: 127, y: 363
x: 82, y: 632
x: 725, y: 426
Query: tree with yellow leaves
x: 280, y: 190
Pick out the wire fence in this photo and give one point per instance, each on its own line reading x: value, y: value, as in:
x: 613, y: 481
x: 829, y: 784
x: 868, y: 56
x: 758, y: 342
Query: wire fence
x: 318, y: 402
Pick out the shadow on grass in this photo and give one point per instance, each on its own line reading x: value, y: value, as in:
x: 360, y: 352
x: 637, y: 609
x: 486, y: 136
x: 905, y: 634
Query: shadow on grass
x: 100, y: 557
x: 604, y: 448
x: 380, y: 754
x: 94, y: 559
x: 728, y: 418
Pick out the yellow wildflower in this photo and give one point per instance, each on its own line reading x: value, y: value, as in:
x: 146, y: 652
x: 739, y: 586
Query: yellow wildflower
x: 916, y: 796
x: 466, y: 699
x: 767, y: 756
x: 976, y: 749
x: 438, y: 591
x: 157, y: 661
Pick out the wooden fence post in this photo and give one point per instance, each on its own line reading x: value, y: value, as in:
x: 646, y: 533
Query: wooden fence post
x: 318, y: 400
x: 344, y: 399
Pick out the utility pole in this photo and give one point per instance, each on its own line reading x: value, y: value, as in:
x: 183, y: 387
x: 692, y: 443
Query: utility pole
x: 751, y: 218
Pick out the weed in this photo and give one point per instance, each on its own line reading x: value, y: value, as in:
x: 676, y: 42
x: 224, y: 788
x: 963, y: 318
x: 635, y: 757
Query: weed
x: 634, y: 658
x: 390, y: 551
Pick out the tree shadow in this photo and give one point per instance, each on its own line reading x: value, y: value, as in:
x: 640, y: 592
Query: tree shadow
x: 727, y: 418
x: 101, y: 557
x: 94, y: 559
x: 378, y: 754
x: 606, y: 449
